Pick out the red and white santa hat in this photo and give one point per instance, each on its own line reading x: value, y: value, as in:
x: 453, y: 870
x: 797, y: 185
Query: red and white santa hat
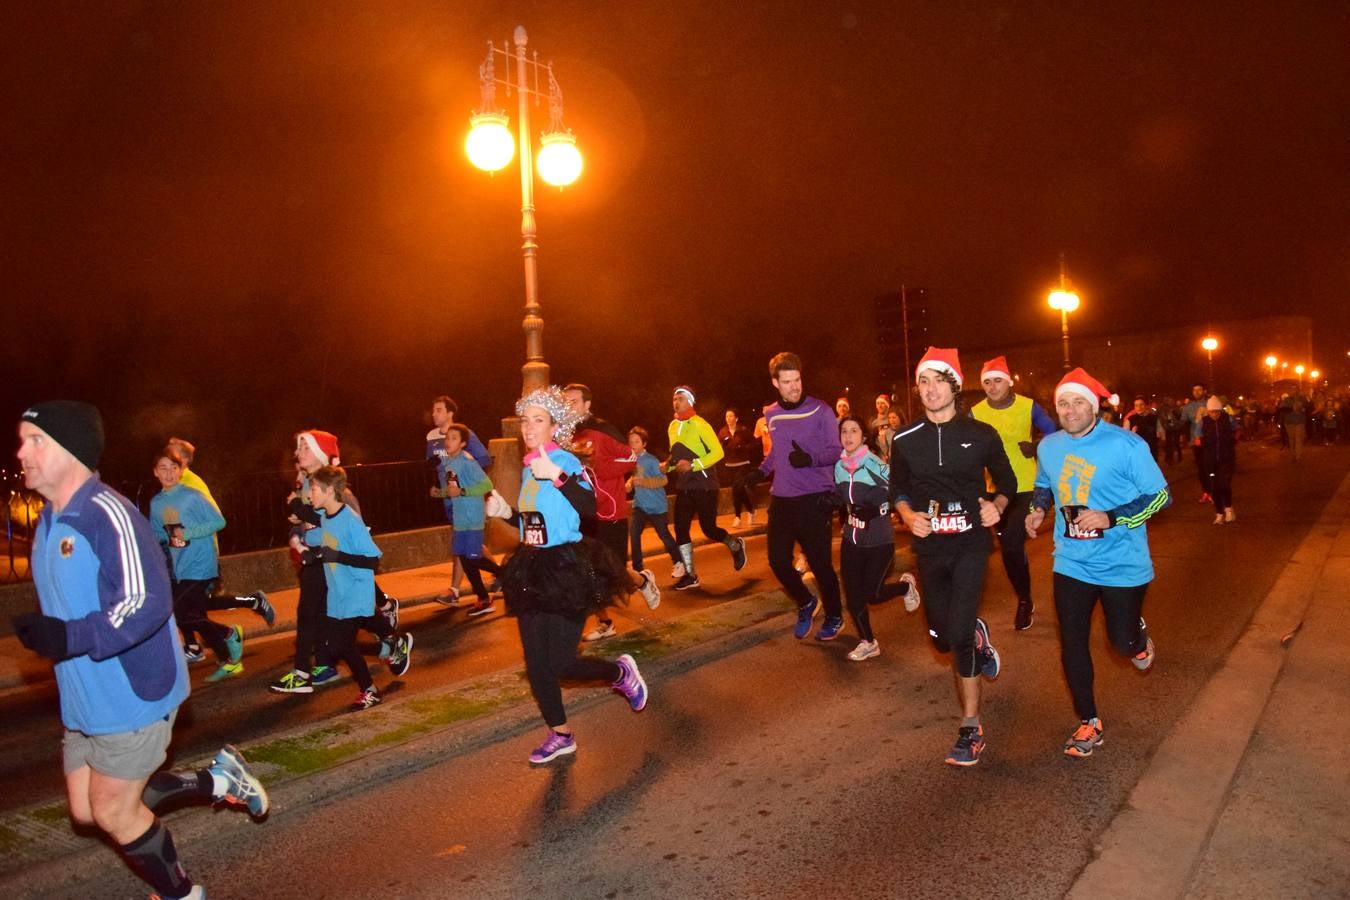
x: 996, y: 368
x: 941, y: 359
x: 322, y: 444
x: 1079, y: 382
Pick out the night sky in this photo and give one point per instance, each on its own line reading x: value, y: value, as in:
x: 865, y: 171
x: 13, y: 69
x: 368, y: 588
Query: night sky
x: 234, y: 220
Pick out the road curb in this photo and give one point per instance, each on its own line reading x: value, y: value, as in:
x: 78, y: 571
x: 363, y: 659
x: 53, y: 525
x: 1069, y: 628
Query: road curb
x: 1154, y: 844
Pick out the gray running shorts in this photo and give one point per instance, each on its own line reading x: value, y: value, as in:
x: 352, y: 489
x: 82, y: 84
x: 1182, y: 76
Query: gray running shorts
x: 129, y: 755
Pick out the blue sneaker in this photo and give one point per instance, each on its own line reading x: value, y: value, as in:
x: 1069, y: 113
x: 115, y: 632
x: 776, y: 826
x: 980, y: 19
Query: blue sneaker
x: 831, y: 628
x: 263, y: 607
x: 321, y: 675
x: 631, y: 683
x: 968, y: 747
x: 988, y: 656
x: 242, y: 787
x: 234, y: 642
x: 804, y: 616
x: 557, y: 744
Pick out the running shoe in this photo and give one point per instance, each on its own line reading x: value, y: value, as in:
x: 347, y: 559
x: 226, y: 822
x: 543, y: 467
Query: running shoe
x: 601, y: 631
x: 1025, y: 610
x: 804, y: 616
x: 677, y: 571
x: 830, y: 628
x: 226, y: 670
x: 968, y: 747
x: 242, y: 787
x: 912, y: 598
x: 1218, y: 519
x: 193, y: 652
x: 650, y: 592
x: 1205, y: 498
x: 1229, y: 515
x: 321, y: 675
x: 234, y: 642
x: 366, y: 699
x: 292, y: 682
x: 989, y: 661
x: 737, y: 547
x: 1143, y: 660
x: 390, y: 611
x: 631, y: 683
x: 263, y: 607
x: 1087, y: 738
x: 687, y: 581
x: 555, y: 745
x: 449, y: 598
x: 482, y: 608
x: 400, y: 661
x: 864, y: 650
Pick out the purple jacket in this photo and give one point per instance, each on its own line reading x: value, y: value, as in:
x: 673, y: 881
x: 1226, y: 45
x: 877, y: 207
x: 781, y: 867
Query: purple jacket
x: 813, y: 427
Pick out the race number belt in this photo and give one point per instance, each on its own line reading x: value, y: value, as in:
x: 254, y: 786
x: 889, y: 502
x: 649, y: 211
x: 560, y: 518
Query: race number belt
x: 533, y: 531
x: 1072, y: 531
x: 948, y: 518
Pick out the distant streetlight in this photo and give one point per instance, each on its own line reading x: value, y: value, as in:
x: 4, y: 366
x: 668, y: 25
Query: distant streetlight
x: 1298, y: 369
x: 1210, y: 345
x: 490, y: 147
x: 1270, y: 364
x: 1066, y: 301
x: 1314, y: 375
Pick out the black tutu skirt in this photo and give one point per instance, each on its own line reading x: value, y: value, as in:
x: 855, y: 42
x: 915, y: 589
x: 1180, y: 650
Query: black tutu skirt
x: 572, y: 580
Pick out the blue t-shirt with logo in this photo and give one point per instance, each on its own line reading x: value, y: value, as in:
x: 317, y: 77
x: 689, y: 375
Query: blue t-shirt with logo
x: 547, y: 519
x: 351, y: 589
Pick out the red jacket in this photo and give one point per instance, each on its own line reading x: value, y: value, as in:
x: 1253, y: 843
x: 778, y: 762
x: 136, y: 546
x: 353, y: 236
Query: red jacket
x: 599, y: 447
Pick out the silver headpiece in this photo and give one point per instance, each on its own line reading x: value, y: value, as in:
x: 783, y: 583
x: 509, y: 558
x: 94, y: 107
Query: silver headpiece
x: 550, y: 399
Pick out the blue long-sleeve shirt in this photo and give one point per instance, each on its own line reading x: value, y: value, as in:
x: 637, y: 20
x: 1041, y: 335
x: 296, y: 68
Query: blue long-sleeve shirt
x: 200, y: 519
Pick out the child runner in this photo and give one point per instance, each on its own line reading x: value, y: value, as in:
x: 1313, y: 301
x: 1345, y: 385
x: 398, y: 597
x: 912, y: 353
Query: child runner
x: 867, y: 545
x: 342, y: 548
x: 185, y: 524
x: 553, y: 581
x: 465, y: 487
x: 649, y: 507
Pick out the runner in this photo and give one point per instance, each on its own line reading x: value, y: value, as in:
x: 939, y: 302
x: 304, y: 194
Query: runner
x: 937, y: 487
x: 443, y: 412
x: 801, y: 459
x: 106, y: 621
x: 694, y: 451
x: 1017, y: 420
x: 1107, y: 485
x: 553, y: 581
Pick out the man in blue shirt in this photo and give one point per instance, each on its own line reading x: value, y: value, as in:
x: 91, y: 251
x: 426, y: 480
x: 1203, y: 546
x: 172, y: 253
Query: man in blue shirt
x: 107, y: 623
x: 1106, y: 485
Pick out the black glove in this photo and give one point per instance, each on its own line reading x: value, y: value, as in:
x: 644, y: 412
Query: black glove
x: 327, y: 554
x: 753, y: 477
x: 1028, y: 449
x: 799, y: 458
x: 865, y: 512
x: 311, y: 556
x: 44, y: 635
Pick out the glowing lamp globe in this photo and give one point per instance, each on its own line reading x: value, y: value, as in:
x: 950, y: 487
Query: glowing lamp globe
x: 489, y: 144
x: 1063, y: 300
x: 1299, y: 368
x: 1210, y: 344
x: 559, y: 160
x: 1270, y: 361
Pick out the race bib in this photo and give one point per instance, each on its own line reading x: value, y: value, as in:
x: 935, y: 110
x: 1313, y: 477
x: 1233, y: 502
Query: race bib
x: 852, y: 520
x: 949, y: 518
x: 1072, y: 531
x: 533, y: 531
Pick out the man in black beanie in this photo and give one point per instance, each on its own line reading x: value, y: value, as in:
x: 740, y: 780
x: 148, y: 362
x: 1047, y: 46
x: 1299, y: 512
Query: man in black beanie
x: 107, y: 624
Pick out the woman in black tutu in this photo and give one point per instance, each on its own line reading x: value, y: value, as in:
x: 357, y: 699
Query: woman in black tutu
x: 555, y: 578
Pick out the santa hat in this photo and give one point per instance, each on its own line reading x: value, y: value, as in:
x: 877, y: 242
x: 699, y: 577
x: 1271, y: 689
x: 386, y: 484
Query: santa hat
x: 322, y: 444
x: 996, y: 368
x: 942, y: 359
x: 1079, y: 382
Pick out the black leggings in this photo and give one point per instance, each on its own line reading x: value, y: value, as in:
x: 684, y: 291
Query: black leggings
x: 189, y: 609
x: 1221, y: 485
x: 1074, y: 601
x: 864, y: 570
x: 639, y: 520
x: 340, y: 637
x: 704, y: 505
x: 804, y: 520
x: 954, y: 584
x: 474, y: 567
x: 309, y: 614
x: 550, y: 644
x: 741, y: 499
x: 1012, y: 542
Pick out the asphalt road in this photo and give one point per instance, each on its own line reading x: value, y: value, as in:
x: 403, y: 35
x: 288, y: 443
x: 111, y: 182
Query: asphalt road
x: 785, y: 769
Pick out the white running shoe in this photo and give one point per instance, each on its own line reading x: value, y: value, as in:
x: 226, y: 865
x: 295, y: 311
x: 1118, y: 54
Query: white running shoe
x: 912, y: 595
x: 601, y: 631
x: 864, y: 650
x: 649, y: 590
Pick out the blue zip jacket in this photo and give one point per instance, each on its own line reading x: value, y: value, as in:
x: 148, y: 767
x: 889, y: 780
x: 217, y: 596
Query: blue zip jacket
x: 867, y: 485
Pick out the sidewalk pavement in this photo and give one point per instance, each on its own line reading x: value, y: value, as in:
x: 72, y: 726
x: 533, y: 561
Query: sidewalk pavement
x: 413, y: 587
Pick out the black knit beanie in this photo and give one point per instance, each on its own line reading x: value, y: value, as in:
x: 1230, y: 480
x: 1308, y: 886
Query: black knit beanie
x: 74, y: 425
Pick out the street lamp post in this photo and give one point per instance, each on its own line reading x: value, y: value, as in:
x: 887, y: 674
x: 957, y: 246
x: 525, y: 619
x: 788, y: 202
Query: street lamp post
x: 490, y: 147
x: 1299, y: 370
x: 1210, y: 345
x: 1066, y: 301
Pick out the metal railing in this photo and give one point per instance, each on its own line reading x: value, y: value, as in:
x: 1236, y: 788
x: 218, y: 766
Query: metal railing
x: 393, y: 497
